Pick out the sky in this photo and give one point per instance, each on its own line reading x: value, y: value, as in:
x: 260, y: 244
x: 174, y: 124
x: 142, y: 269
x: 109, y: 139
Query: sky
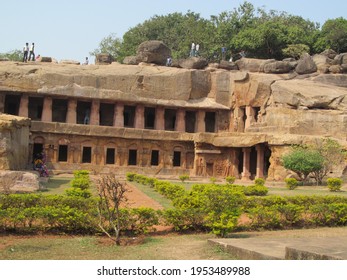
x: 71, y: 29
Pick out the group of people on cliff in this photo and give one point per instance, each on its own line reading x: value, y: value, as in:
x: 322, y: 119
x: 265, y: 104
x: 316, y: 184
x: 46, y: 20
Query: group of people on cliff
x: 29, y: 52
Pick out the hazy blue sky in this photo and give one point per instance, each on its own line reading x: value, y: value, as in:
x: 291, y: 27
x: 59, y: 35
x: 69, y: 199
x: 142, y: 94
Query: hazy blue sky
x: 70, y: 29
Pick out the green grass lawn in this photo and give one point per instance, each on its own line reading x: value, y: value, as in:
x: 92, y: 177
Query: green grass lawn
x: 169, y: 247
x: 56, y: 185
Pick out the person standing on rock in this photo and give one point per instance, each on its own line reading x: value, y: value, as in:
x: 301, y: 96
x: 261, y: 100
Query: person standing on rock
x: 32, y: 52
x: 197, y: 47
x: 25, y: 52
x: 192, y: 50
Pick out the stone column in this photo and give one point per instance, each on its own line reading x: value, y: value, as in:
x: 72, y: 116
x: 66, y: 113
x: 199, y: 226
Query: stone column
x: 160, y: 118
x: 95, y: 113
x: 200, y: 121
x: 71, y: 116
x: 260, y: 161
x: 119, y: 115
x: 24, y: 106
x: 140, y: 117
x: 246, y: 163
x: 2, y: 103
x: 250, y: 117
x: 47, y: 109
x: 180, y: 120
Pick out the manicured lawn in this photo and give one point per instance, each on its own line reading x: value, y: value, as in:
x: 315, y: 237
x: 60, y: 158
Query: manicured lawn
x: 56, y: 185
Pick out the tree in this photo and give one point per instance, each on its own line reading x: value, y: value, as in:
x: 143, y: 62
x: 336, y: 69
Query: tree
x: 111, y: 45
x: 296, y: 50
x: 15, y: 55
x: 303, y: 161
x: 111, y: 195
x: 333, y: 155
x: 333, y: 35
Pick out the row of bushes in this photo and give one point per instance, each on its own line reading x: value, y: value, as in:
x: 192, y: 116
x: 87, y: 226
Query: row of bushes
x: 214, y: 208
x: 65, y: 214
x: 219, y: 207
x: 171, y: 190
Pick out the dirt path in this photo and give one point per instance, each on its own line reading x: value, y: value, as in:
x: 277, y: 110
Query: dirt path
x: 136, y: 198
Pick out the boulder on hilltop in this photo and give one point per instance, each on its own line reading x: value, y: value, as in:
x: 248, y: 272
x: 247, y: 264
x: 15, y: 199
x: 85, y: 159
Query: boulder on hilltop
x: 153, y: 52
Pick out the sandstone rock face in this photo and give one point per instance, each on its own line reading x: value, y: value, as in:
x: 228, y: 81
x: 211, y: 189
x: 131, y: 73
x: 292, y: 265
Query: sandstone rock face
x: 14, y: 142
x: 153, y: 52
x: 73, y: 62
x: 305, y: 65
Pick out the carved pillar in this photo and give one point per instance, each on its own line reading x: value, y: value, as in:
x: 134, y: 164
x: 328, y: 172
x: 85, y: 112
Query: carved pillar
x: 180, y: 120
x: 95, y: 113
x: 260, y: 161
x: 24, y: 106
x: 246, y: 163
x: 119, y: 115
x: 200, y: 121
x: 160, y: 118
x: 2, y: 103
x: 140, y: 117
x: 250, y: 116
x: 47, y: 109
x: 71, y: 115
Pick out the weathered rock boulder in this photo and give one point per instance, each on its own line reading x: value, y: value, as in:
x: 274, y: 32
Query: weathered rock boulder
x: 46, y: 59
x: 278, y: 67
x: 252, y: 64
x: 329, y: 53
x: 103, y: 59
x: 19, y: 181
x: 193, y: 63
x: 305, y: 65
x: 322, y: 62
x: 153, y: 52
x: 14, y: 142
x: 130, y: 60
x: 227, y: 65
x: 335, y: 69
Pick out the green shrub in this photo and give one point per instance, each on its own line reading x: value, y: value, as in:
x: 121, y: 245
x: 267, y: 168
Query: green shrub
x: 130, y: 176
x: 259, y: 181
x: 334, y: 184
x: 213, y: 180
x: 77, y: 192
x: 230, y: 180
x: 184, y: 177
x: 258, y: 190
x: 291, y: 183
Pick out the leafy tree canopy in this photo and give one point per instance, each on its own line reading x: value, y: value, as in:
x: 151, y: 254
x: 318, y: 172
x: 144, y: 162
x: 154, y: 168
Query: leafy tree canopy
x: 260, y: 33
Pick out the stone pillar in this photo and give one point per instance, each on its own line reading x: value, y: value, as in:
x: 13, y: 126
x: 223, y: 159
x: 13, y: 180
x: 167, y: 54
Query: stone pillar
x: 180, y: 120
x: 160, y: 118
x: 47, y: 109
x: 246, y: 163
x: 140, y: 117
x: 71, y: 116
x: 260, y: 161
x: 250, y: 117
x: 200, y: 121
x: 2, y: 103
x: 24, y: 106
x: 119, y: 115
x: 95, y: 113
